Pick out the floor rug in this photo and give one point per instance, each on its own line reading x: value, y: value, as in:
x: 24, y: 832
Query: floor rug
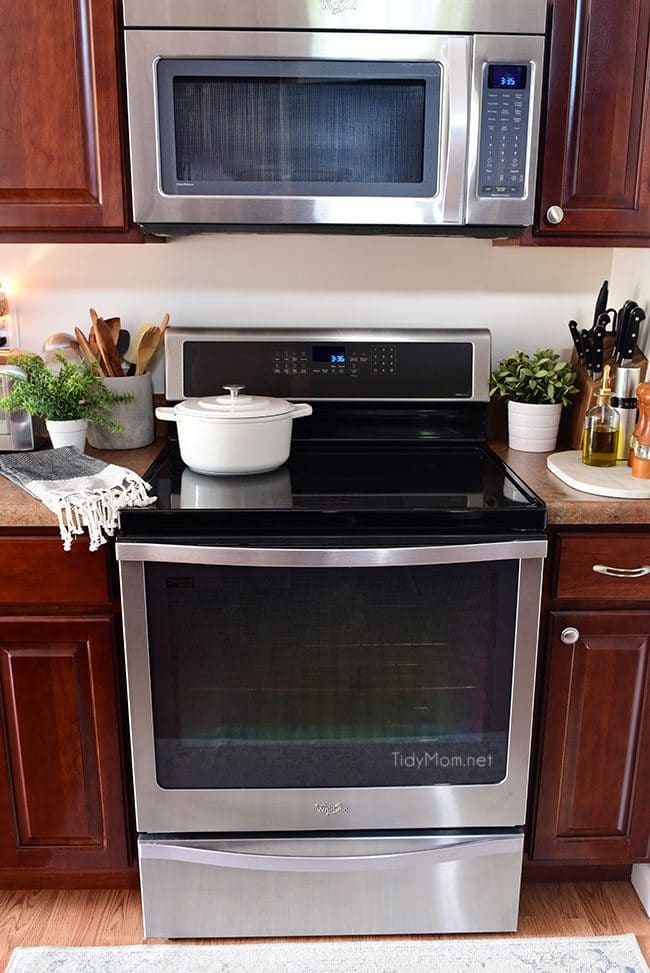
x: 603, y: 954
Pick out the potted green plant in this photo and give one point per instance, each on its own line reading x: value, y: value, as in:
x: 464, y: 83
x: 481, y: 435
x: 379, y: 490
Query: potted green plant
x: 535, y: 387
x: 66, y: 397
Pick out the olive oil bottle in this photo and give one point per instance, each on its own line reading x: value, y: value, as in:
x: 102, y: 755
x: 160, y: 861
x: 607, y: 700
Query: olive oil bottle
x: 602, y: 427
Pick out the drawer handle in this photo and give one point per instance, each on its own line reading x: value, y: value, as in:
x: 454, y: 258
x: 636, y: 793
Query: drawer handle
x: 621, y: 572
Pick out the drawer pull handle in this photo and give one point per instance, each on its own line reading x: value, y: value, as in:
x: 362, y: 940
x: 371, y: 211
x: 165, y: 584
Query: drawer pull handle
x: 621, y: 572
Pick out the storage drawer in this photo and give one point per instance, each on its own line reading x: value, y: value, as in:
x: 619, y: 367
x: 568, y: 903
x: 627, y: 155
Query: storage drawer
x: 604, y: 567
x: 37, y: 571
x: 350, y: 886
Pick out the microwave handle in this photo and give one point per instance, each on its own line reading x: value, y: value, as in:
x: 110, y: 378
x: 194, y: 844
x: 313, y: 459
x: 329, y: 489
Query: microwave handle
x: 457, y: 115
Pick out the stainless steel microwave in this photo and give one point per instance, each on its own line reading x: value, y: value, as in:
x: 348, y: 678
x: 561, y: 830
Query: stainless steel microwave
x: 333, y: 113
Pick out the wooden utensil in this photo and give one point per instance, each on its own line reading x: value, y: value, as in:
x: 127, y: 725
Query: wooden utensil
x: 164, y: 324
x: 131, y: 352
x: 147, y: 348
x: 114, y: 325
x: 108, y: 351
x: 85, y: 348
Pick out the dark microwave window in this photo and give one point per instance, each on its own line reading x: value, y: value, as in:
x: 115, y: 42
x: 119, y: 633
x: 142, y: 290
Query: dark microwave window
x: 299, y: 130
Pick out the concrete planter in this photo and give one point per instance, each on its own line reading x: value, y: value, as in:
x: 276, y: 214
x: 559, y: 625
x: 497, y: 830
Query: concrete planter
x: 533, y: 428
x: 136, y: 416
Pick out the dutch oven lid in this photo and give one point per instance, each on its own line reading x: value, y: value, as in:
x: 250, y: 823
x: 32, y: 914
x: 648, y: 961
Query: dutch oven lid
x: 234, y: 406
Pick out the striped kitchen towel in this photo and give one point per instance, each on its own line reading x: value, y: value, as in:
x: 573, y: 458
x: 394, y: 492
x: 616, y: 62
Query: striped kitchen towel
x: 83, y: 492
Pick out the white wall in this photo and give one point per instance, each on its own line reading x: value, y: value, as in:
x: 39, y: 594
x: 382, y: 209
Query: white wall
x: 524, y: 295
x: 631, y: 279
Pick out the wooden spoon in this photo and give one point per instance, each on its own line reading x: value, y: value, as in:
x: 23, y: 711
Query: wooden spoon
x: 147, y: 348
x: 107, y: 348
x: 86, y: 349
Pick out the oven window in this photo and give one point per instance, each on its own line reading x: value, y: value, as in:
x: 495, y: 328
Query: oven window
x: 298, y: 127
x: 331, y: 677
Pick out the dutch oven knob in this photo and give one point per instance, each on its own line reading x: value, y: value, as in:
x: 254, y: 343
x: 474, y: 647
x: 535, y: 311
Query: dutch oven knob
x: 234, y: 390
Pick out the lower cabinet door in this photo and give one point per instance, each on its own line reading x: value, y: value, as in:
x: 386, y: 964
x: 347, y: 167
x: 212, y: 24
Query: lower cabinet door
x: 593, y: 799
x: 61, y: 792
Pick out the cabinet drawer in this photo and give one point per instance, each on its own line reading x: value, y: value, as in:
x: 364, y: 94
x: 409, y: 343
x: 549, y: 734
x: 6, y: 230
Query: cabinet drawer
x: 37, y: 571
x: 589, y: 566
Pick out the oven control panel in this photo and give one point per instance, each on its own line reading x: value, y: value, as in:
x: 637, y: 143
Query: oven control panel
x: 504, y: 130
x: 336, y: 360
x: 335, y: 368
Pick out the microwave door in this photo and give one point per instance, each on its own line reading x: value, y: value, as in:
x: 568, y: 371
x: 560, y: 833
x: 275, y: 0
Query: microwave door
x: 235, y: 128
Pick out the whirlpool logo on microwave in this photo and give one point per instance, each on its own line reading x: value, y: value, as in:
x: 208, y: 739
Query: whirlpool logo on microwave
x: 329, y: 809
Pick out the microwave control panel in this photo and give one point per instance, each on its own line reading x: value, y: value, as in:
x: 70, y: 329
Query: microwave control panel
x: 505, y: 103
x: 332, y: 369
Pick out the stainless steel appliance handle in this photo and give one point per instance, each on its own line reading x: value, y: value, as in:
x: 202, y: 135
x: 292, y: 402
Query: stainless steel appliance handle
x: 374, y: 557
x: 621, y: 572
x: 461, y: 850
x: 457, y: 114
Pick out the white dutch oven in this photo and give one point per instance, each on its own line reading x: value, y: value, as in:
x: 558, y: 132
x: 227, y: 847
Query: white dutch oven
x: 230, y: 435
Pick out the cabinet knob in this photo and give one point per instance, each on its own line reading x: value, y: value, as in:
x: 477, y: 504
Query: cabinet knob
x: 570, y: 636
x: 554, y: 215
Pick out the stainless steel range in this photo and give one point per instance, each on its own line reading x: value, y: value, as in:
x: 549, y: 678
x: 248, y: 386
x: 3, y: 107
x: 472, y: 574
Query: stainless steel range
x: 331, y: 666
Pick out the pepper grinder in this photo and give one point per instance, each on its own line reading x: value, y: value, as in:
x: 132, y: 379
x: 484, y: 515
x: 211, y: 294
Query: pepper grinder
x: 641, y: 458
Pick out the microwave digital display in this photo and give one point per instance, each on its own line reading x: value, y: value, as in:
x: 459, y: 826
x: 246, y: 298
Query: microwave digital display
x: 507, y: 76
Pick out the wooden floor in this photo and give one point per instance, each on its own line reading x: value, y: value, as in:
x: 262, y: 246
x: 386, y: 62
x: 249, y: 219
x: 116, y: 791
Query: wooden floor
x: 53, y: 918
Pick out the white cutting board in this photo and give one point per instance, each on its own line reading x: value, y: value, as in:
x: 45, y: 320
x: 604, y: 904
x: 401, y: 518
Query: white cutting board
x: 604, y: 481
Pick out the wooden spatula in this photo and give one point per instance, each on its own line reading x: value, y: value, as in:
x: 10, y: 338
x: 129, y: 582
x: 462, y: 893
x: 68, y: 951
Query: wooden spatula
x: 107, y: 349
x: 147, y: 348
x: 85, y: 348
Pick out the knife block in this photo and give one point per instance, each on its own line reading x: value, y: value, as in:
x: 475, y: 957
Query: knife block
x: 573, y: 420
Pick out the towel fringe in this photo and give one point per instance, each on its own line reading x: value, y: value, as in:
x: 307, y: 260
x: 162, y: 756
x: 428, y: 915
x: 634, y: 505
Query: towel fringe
x: 98, y: 510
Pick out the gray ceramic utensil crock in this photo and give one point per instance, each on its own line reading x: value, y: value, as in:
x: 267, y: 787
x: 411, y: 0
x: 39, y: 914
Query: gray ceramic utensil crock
x: 136, y: 416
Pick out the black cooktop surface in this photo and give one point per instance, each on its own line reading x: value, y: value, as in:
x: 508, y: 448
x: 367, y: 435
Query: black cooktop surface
x: 347, y: 486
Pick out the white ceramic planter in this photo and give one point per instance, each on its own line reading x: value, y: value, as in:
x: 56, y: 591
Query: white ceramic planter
x: 68, y: 432
x: 533, y: 428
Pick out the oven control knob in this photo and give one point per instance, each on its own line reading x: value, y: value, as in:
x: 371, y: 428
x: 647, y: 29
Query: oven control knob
x: 570, y: 636
x: 554, y: 215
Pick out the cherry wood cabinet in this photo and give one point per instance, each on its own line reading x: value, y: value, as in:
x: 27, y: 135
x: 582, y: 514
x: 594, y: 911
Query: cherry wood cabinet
x: 592, y: 794
x: 63, y: 805
x: 62, y: 151
x: 594, y: 798
x: 595, y: 150
x: 65, y: 814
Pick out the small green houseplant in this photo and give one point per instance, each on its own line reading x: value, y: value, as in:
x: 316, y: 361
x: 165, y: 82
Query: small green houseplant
x: 536, y: 387
x: 67, y: 397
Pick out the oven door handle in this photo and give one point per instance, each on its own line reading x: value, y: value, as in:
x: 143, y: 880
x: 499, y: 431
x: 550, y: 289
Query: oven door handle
x: 457, y: 851
x: 329, y: 557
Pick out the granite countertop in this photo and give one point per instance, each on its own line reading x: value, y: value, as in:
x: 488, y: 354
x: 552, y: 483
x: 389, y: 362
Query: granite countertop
x: 566, y: 505
x: 19, y: 509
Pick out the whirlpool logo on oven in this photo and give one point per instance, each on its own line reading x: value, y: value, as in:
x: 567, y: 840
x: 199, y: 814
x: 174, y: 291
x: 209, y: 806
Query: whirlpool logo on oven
x: 329, y: 809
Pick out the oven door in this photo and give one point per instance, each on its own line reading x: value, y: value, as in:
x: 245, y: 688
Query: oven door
x: 291, y: 127
x: 288, y: 688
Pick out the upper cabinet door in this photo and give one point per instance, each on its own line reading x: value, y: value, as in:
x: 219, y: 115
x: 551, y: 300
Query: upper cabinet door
x: 61, y: 159
x: 596, y: 148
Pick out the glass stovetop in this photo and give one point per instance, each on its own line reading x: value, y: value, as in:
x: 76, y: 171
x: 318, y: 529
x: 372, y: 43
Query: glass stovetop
x: 426, y: 486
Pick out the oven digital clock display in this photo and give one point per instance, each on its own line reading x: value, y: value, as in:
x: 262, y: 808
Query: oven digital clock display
x: 331, y: 354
